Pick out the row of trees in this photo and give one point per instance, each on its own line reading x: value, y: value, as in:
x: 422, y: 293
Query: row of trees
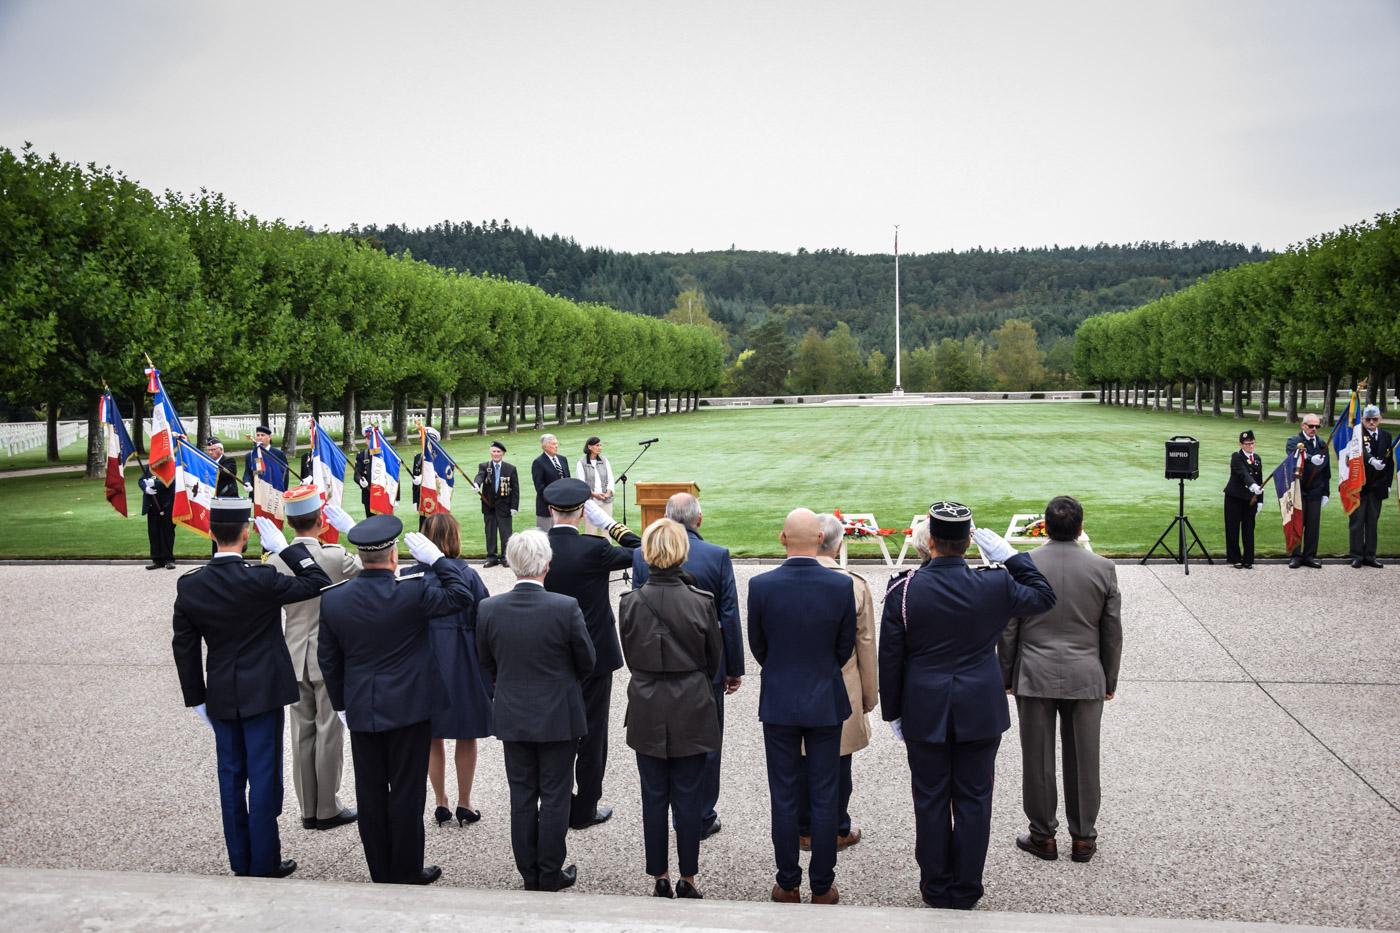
x: 96, y: 273
x: 1326, y: 313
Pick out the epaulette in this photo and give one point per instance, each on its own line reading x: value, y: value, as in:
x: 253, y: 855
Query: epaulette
x: 338, y: 547
x: 980, y: 568
x: 898, y: 578
x: 617, y: 531
x: 696, y: 589
x: 858, y: 576
x: 411, y: 576
x: 334, y: 585
x: 193, y: 570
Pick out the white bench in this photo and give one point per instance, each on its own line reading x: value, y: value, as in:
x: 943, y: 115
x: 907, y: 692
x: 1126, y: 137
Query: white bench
x: 879, y: 539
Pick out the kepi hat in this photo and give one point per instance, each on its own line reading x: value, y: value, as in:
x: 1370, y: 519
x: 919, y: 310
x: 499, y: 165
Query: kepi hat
x: 567, y: 495
x: 949, y: 520
x: 376, y: 533
x: 230, y: 510
x: 301, y: 500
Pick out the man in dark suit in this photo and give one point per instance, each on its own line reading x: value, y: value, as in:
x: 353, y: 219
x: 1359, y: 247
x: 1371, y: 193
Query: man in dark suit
x: 1243, y: 502
x: 1378, y: 459
x: 534, y: 645
x: 158, y: 504
x: 580, y: 568
x: 228, y: 486
x: 802, y: 628
x: 263, y: 440
x: 549, y: 467
x: 941, y: 688
x: 1064, y: 663
x: 362, y: 473
x: 235, y: 608
x: 713, y: 571
x: 379, y: 668
x: 1315, y: 483
x: 499, y: 482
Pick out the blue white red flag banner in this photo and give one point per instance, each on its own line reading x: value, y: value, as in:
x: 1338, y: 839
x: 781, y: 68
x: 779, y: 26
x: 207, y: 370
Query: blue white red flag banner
x: 119, y: 451
x: 269, y: 479
x: 327, y: 474
x: 1290, y: 497
x: 439, y: 477
x: 1346, y: 443
x: 385, y: 464
x: 166, y: 429
x: 196, y: 479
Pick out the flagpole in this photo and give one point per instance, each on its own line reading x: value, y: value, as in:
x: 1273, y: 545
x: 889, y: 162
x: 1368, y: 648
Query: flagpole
x: 898, y: 384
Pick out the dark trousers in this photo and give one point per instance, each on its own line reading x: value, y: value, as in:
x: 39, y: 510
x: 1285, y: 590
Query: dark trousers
x: 709, y: 784
x: 1312, y: 520
x: 497, y: 526
x: 592, y: 749
x: 843, y: 801
x: 249, y: 753
x: 391, y: 787
x: 952, y: 784
x: 539, y: 779
x: 672, y: 784
x: 1362, y: 524
x: 364, y: 501
x: 1080, y: 722
x: 822, y: 764
x: 160, y: 532
x: 1239, y: 523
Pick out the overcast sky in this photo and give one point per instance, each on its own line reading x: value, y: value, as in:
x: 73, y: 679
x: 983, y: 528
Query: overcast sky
x: 659, y: 125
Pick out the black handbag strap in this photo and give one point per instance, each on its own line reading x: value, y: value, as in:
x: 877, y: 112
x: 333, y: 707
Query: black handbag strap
x: 680, y: 646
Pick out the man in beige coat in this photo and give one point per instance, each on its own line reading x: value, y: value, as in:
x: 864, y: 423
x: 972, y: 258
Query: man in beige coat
x: 862, y: 687
x: 317, y: 733
x: 1064, y: 663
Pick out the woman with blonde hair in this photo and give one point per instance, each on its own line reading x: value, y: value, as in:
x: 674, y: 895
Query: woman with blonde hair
x: 671, y: 641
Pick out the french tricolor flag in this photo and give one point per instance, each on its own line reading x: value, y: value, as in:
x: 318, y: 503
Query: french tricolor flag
x: 327, y: 474
x: 165, y: 429
x: 196, y: 479
x: 385, y: 464
x: 119, y: 451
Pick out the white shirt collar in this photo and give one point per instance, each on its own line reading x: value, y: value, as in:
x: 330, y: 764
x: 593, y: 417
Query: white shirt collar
x: 520, y: 583
x: 226, y: 554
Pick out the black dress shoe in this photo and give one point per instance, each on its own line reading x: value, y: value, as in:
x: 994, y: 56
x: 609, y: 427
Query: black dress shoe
x: 428, y: 875
x: 288, y: 866
x: 686, y: 889
x: 465, y: 816
x: 348, y: 815
x: 308, y: 822
x: 710, y: 830
x: 1357, y: 564
x: 492, y: 562
x: 155, y: 565
x: 600, y: 815
x: 1294, y: 564
x: 442, y: 815
x: 170, y: 565
x: 567, y: 877
x: 1372, y: 562
x: 1248, y: 566
x: 663, y: 888
x: 1312, y: 563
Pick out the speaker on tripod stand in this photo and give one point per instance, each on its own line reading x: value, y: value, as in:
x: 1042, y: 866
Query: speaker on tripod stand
x: 1183, y: 457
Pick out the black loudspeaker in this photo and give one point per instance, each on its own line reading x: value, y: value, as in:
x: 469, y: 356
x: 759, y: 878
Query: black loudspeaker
x: 1182, y: 457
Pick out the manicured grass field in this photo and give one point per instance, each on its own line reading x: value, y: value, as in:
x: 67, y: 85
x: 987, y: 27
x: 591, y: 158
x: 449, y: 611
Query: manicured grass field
x: 753, y: 465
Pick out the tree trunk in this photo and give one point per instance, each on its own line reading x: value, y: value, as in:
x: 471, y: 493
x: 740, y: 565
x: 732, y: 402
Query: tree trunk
x: 668, y: 401
x: 583, y: 405
x: 539, y: 412
x: 481, y: 414
x: 514, y: 411
x: 399, y: 417
x: 264, y: 413
x: 444, y: 430
x: 617, y: 406
x: 51, y: 428
x: 1197, y: 394
x: 316, y: 408
x: 1282, y: 394
x: 202, y: 418
x: 456, y: 409
x: 359, y: 423
x: 1216, y: 390
x: 562, y: 403
x: 602, y: 400
x: 138, y: 422
x: 289, y: 430
x: 96, y: 440
x: 1371, y: 380
x: 1264, y: 400
x: 634, y: 406
x: 1171, y: 393
x: 1238, y: 390
x: 348, y: 432
x: 1293, y: 400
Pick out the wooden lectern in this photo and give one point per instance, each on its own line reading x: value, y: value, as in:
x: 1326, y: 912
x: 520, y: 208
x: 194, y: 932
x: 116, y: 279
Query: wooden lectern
x: 651, y: 497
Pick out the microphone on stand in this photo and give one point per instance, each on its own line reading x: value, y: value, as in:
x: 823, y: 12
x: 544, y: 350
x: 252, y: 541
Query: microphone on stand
x: 644, y: 443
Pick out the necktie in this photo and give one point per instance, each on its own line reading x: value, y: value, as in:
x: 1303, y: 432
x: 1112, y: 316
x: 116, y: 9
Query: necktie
x: 498, y: 481
x: 555, y: 461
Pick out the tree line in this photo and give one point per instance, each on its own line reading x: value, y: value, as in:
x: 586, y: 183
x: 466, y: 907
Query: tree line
x: 97, y: 272
x: 1324, y: 313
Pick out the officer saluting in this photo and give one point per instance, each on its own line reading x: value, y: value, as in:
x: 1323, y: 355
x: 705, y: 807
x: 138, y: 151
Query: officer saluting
x: 379, y: 669
x: 941, y: 688
x: 235, y: 608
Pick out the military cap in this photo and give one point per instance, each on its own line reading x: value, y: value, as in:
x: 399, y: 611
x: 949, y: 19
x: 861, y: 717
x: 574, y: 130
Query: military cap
x: 262, y: 429
x: 376, y: 533
x: 432, y: 430
x: 1371, y: 411
x: 500, y: 445
x: 212, y: 441
x: 949, y: 520
x: 1246, y: 436
x: 230, y: 510
x: 567, y: 495
x: 301, y: 500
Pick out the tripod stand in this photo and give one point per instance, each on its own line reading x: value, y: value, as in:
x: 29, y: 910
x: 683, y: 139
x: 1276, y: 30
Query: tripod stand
x: 1182, y: 524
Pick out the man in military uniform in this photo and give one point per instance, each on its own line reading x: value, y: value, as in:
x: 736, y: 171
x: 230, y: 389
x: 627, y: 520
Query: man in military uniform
x: 499, y: 483
x: 316, y: 730
x: 946, y: 617
x: 1315, y: 483
x: 1243, y: 502
x: 362, y: 473
x: 235, y: 609
x: 263, y: 440
x: 1378, y: 459
x: 580, y: 568
x: 158, y: 505
x: 380, y: 670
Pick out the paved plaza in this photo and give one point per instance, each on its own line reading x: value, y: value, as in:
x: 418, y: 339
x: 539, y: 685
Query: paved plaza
x: 1251, y: 764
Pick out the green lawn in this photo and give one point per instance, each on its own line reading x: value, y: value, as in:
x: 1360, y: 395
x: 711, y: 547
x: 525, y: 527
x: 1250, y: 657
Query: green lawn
x: 753, y: 465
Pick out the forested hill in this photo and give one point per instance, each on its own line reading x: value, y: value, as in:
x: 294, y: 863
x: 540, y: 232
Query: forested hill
x: 950, y: 294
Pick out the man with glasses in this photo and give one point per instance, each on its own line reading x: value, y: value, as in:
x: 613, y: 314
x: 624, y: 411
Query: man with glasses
x: 1315, y: 482
x: 1378, y: 458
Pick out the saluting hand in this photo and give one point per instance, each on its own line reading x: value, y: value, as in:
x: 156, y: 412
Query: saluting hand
x: 269, y: 534
x: 338, y: 518
x: 423, y: 550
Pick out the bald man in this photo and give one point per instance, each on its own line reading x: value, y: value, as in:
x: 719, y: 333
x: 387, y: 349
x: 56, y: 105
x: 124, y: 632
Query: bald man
x: 802, y: 629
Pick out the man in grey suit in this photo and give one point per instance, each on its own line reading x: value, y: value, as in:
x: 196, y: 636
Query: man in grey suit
x: 1064, y: 663
x: 534, y: 645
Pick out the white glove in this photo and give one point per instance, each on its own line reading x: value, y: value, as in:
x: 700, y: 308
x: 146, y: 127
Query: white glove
x: 338, y: 518
x: 1255, y: 488
x: 992, y: 545
x: 513, y: 511
x: 597, y: 516
x: 270, y: 535
x: 1377, y: 464
x: 897, y: 727
x: 148, y: 486
x: 423, y: 550
x: 1317, y: 459
x: 341, y: 714
x: 1324, y: 500
x: 418, y: 480
x: 364, y: 483
x: 1259, y: 509
x: 199, y: 711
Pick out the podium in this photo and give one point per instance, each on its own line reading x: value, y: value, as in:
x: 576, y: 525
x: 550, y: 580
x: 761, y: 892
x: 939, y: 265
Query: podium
x: 651, y: 498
